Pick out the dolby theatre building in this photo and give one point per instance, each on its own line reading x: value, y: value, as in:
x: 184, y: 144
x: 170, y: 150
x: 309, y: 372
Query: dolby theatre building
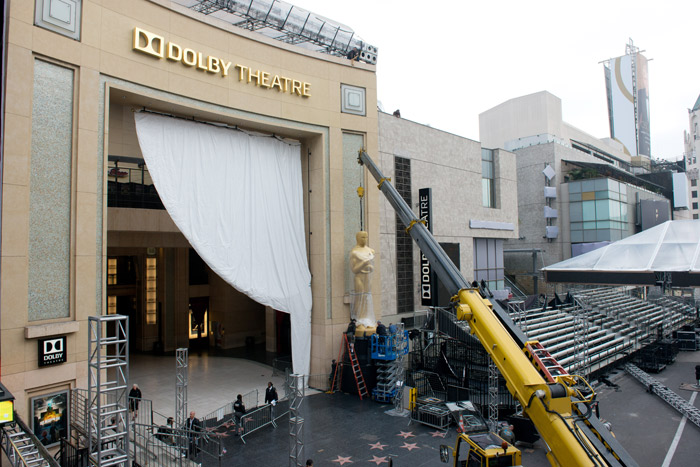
x: 161, y: 161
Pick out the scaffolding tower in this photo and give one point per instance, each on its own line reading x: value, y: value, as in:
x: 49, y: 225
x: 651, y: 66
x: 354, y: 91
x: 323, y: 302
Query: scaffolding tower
x: 108, y: 375
x: 493, y: 396
x: 181, y: 369
x: 296, y: 384
x: 581, y: 327
x: 285, y: 22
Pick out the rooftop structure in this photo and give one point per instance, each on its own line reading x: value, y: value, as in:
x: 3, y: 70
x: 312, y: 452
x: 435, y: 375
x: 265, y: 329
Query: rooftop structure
x: 287, y: 23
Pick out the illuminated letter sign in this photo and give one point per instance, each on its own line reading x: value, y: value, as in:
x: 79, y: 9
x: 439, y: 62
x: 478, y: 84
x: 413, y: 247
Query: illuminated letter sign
x: 52, y: 351
x: 428, y: 284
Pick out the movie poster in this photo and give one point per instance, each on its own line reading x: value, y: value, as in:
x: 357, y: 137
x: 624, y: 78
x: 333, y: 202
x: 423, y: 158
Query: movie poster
x: 50, y: 417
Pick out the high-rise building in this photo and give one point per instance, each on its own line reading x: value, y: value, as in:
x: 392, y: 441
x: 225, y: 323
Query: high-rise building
x: 627, y: 85
x: 692, y: 148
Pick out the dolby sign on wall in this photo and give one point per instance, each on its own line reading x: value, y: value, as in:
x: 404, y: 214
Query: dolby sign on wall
x: 52, y: 350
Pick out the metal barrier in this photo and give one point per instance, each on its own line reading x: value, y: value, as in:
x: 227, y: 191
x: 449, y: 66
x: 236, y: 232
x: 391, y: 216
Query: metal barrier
x: 70, y: 455
x: 431, y: 413
x: 257, y: 419
x: 164, y: 447
x: 225, y: 414
x: 281, y: 366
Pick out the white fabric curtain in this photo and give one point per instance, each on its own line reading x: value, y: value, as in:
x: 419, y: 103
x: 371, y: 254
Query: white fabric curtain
x: 238, y: 199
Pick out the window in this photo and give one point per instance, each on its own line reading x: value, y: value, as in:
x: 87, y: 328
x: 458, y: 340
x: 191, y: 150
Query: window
x: 488, y: 262
x: 695, y: 216
x: 694, y: 182
x: 488, y: 190
x: 596, y: 208
x: 695, y: 205
x: 695, y: 194
x: 404, y: 243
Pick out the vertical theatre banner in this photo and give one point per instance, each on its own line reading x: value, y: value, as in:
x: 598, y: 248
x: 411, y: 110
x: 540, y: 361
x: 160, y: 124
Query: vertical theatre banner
x: 428, y: 279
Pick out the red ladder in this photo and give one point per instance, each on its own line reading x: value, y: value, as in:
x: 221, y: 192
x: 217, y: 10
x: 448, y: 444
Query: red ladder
x: 345, y: 349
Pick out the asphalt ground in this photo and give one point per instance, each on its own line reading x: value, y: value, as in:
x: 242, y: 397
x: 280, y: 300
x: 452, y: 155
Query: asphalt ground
x: 339, y: 429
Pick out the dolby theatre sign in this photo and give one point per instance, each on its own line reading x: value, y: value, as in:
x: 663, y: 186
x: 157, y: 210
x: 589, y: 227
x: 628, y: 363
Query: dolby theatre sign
x: 156, y: 46
x: 52, y: 351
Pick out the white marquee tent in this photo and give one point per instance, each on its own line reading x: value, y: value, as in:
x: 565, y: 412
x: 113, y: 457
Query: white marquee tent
x: 669, y: 248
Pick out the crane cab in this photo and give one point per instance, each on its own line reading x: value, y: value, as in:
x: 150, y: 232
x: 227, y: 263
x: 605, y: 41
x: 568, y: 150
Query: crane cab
x: 482, y: 450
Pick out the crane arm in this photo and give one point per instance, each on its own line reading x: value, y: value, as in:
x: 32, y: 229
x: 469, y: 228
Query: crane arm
x: 550, y: 399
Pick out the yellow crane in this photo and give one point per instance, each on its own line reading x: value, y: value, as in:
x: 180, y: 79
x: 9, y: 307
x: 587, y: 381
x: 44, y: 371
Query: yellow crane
x: 559, y: 404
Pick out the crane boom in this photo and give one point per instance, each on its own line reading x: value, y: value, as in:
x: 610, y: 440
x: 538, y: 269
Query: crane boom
x: 549, y: 396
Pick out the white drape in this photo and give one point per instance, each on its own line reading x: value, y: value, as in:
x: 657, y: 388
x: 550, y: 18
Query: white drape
x: 238, y: 199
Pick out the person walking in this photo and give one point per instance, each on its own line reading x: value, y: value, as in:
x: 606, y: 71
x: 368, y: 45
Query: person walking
x: 193, y: 427
x: 271, y: 398
x: 134, y: 399
x: 697, y: 374
x: 238, y: 412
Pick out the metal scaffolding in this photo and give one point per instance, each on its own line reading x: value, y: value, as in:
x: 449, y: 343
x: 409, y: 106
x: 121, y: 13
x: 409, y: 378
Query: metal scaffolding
x: 493, y: 396
x: 181, y: 369
x: 581, y: 365
x: 296, y: 384
x: 108, y: 375
x: 288, y: 23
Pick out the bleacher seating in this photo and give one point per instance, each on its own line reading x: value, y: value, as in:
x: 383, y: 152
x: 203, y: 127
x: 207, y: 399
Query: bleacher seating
x: 611, y: 322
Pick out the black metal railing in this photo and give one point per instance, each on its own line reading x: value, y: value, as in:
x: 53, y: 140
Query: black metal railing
x: 131, y: 188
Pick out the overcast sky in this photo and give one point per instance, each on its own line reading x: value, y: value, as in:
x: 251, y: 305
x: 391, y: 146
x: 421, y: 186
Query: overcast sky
x: 444, y: 62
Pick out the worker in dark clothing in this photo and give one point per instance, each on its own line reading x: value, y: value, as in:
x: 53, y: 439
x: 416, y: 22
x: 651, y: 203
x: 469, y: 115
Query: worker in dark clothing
x: 697, y: 374
x: 354, y: 54
x: 381, y: 332
x: 350, y: 332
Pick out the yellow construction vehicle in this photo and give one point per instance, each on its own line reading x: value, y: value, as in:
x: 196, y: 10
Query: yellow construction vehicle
x: 559, y: 404
x: 481, y: 450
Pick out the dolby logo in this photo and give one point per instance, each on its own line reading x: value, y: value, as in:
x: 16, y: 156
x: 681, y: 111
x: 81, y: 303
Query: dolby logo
x: 52, y: 351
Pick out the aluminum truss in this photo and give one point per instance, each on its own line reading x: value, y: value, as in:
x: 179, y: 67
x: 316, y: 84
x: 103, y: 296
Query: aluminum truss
x: 181, y: 373
x: 582, y: 364
x: 22, y: 447
x: 296, y: 384
x: 673, y: 399
x: 493, y: 396
x: 401, y: 351
x: 108, y: 375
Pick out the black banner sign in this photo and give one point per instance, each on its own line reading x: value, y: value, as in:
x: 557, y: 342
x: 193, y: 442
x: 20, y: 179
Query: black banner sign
x: 428, y: 280
x: 52, y: 351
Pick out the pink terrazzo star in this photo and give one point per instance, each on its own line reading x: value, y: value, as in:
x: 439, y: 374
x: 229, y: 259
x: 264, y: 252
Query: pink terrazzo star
x: 406, y: 434
x: 378, y: 445
x: 438, y: 434
x: 343, y: 460
x: 410, y: 446
x: 378, y: 460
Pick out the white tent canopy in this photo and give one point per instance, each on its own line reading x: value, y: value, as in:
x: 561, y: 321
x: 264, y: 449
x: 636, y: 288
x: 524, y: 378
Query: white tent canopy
x: 238, y: 200
x: 672, y: 247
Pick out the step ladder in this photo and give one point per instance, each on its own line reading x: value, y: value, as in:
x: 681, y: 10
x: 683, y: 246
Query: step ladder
x: 20, y: 448
x: 544, y: 361
x: 673, y: 399
x: 347, y: 350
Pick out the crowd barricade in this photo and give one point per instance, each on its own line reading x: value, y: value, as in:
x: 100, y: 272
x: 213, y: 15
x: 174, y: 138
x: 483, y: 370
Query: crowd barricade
x: 225, y: 413
x: 254, y: 420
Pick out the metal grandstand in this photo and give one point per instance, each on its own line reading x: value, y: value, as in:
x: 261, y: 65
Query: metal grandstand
x: 287, y: 23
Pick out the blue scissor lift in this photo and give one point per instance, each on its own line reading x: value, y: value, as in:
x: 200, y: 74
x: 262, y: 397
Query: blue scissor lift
x: 388, y: 352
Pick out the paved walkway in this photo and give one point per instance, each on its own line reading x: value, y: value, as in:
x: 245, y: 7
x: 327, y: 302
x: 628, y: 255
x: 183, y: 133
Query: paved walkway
x: 340, y: 429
